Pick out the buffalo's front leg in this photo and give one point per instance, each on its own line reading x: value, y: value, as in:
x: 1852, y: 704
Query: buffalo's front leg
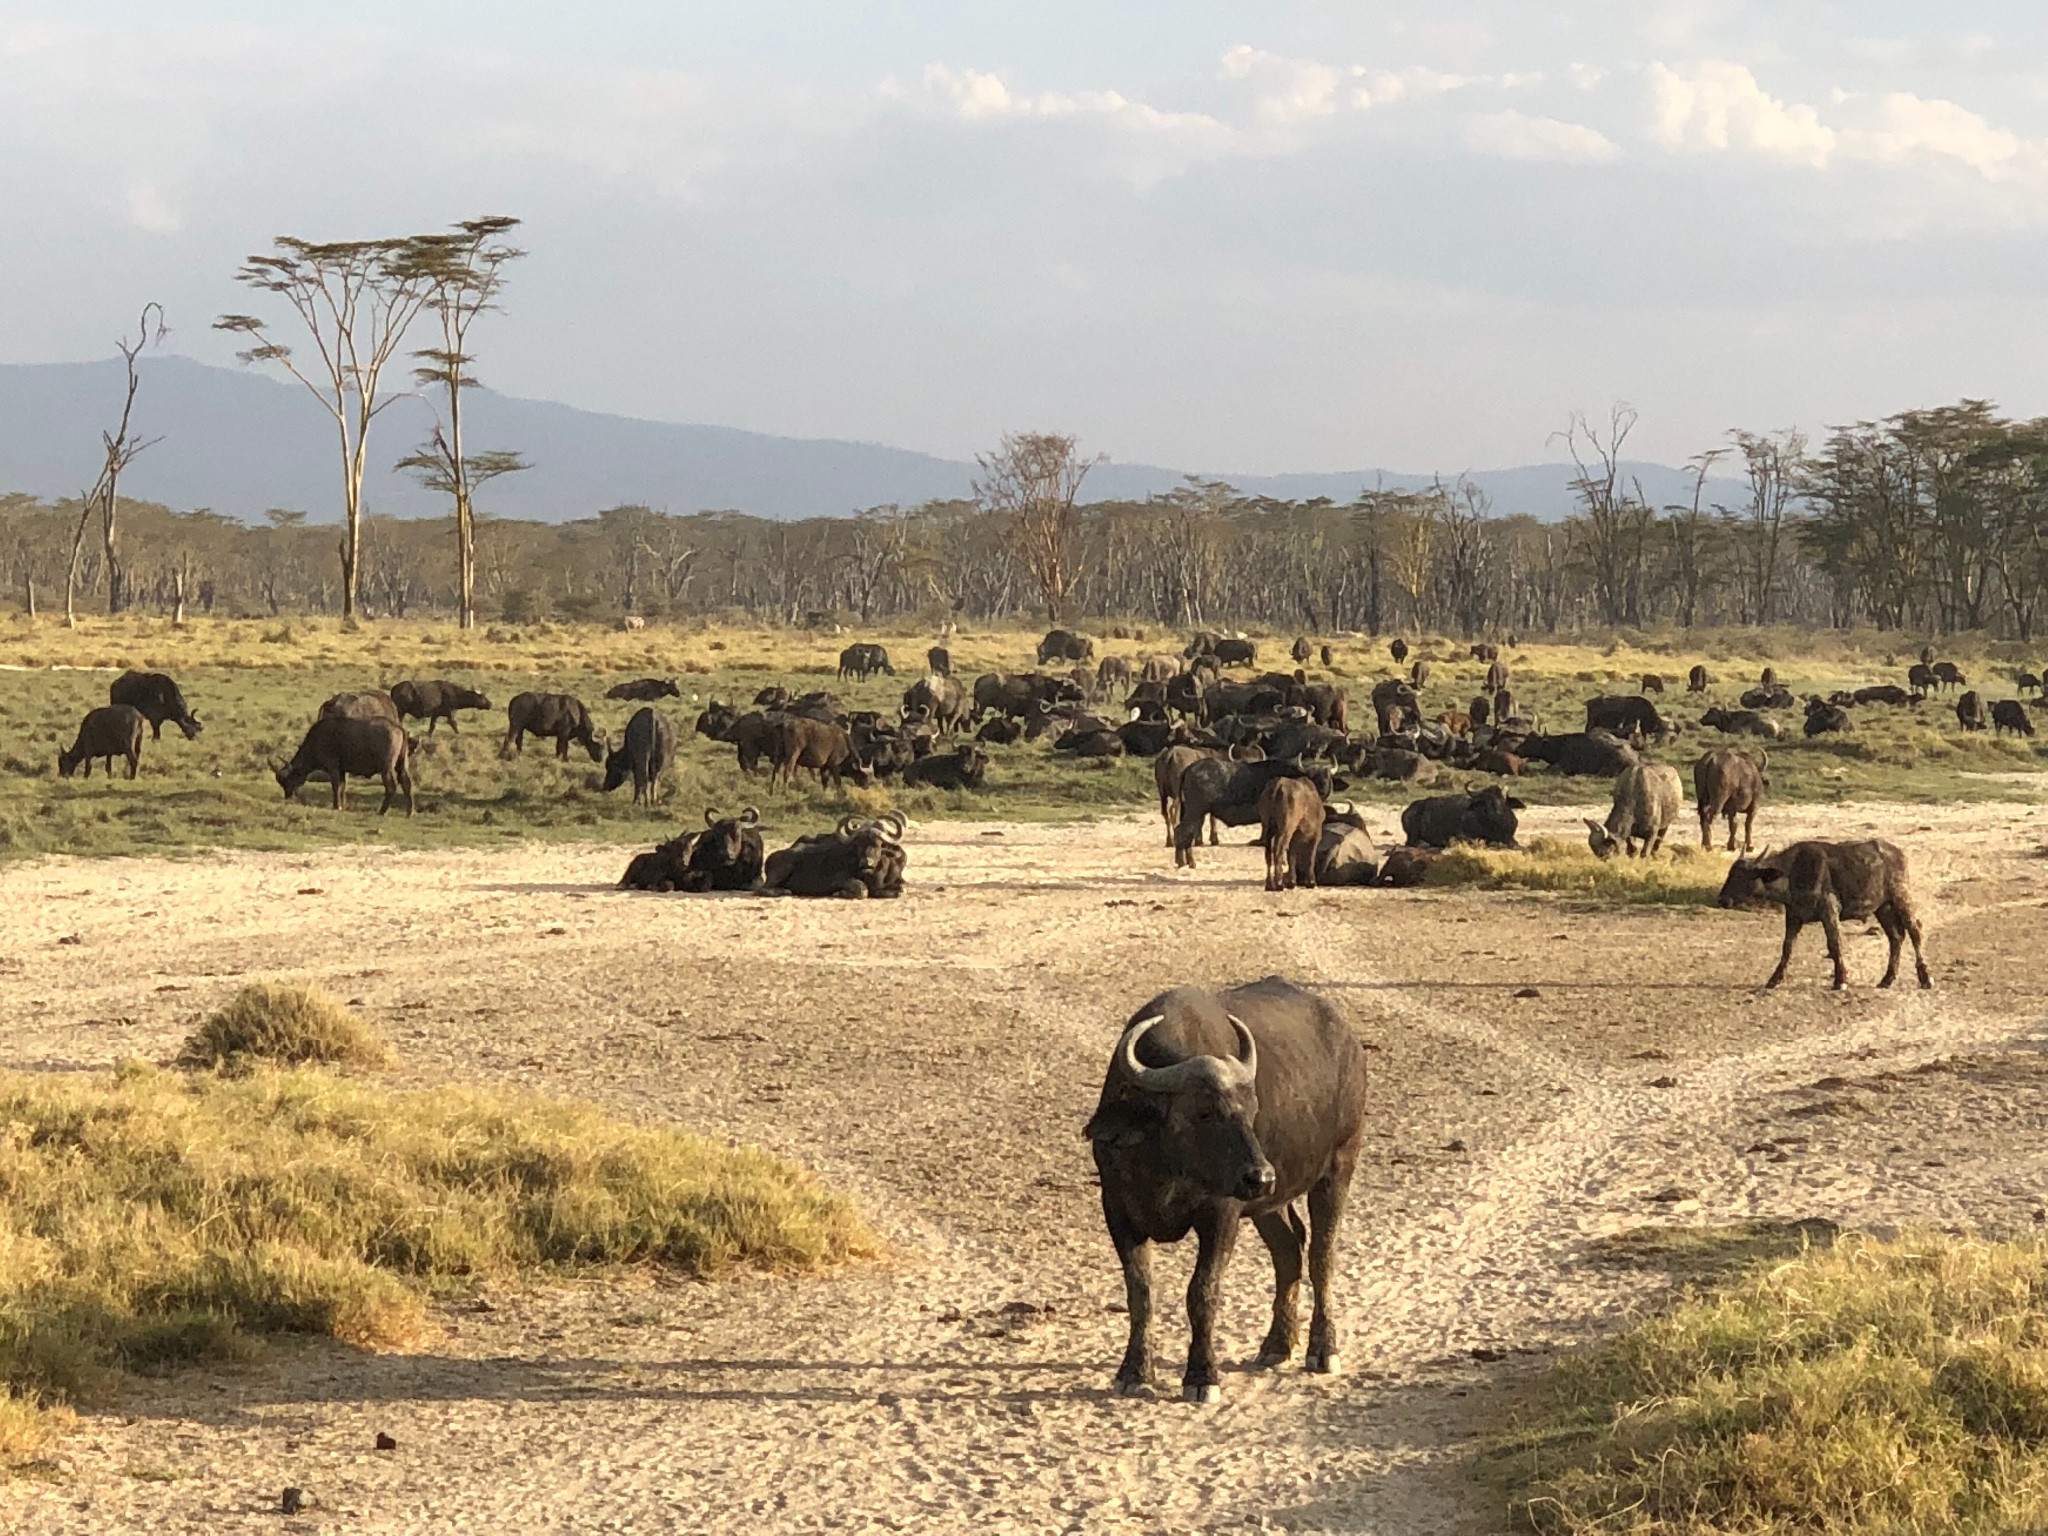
x: 1217, y: 1236
x: 1135, y: 1253
x: 1284, y: 1235
x: 1325, y: 1213
x: 1792, y: 927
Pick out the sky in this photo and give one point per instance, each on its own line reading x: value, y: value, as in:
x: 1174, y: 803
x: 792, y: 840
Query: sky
x: 1257, y: 237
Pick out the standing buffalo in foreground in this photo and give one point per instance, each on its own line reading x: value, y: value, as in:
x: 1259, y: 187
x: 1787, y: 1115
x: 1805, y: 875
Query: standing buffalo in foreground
x: 862, y: 660
x: 1731, y: 784
x: 1487, y: 816
x: 436, y: 701
x: 157, y: 699
x: 560, y: 715
x: 1218, y: 1107
x: 1065, y: 645
x: 650, y: 748
x: 1646, y: 801
x: 340, y: 745
x: 111, y: 731
x: 860, y: 859
x: 1229, y: 792
x: 1817, y: 882
x: 641, y: 690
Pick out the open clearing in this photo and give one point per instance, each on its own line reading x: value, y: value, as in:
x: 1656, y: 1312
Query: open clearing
x: 935, y: 1058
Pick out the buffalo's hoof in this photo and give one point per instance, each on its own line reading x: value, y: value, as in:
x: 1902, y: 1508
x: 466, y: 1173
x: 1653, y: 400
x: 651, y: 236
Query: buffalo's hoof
x: 1125, y: 1386
x: 1270, y: 1359
x: 1328, y: 1363
x: 1209, y: 1393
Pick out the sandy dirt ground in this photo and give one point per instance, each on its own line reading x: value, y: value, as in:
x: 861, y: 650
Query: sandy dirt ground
x: 936, y: 1057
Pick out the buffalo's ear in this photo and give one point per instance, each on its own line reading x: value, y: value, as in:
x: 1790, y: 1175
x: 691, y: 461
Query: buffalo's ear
x: 1517, y: 805
x: 1121, y: 1124
x: 1338, y: 781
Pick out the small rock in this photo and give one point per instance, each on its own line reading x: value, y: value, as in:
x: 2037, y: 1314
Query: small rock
x: 311, y: 890
x: 385, y: 1442
x: 71, y: 938
x: 1486, y: 1356
x: 1455, y: 1144
x: 1527, y: 992
x: 1675, y: 1194
x: 1663, y: 1082
x: 294, y: 1500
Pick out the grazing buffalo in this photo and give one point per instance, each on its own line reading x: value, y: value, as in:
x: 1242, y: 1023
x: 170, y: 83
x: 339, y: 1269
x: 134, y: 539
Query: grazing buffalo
x: 1223, y: 650
x: 1653, y: 682
x: 650, y: 748
x: 1697, y: 680
x: 1817, y: 882
x: 1398, y: 650
x: 643, y: 690
x: 111, y: 731
x: 1970, y: 711
x: 340, y: 745
x: 2011, y: 715
x: 1230, y: 792
x: 369, y: 704
x: 1485, y: 652
x: 1112, y: 676
x: 1646, y: 801
x: 1291, y: 825
x: 1065, y: 645
x: 939, y: 661
x: 434, y: 702
x: 1920, y: 678
x: 1345, y: 853
x: 863, y: 659
x: 1582, y: 754
x: 966, y: 767
x: 1624, y: 714
x: 1019, y: 696
x: 1484, y: 816
x: 1729, y: 783
x: 2026, y: 682
x: 1824, y: 717
x: 1948, y: 675
x: 561, y: 716
x: 157, y: 699
x: 1218, y: 1107
x: 826, y: 750
x: 858, y: 860
x: 1742, y: 722
x: 942, y: 699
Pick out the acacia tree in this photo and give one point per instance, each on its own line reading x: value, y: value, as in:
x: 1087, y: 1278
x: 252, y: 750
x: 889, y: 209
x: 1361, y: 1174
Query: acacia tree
x: 1776, y: 466
x: 356, y: 299
x: 1033, y: 480
x: 118, y: 450
x: 1617, y: 518
x: 465, y: 269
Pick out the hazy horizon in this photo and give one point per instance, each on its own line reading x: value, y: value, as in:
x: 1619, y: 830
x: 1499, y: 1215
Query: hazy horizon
x: 1250, y: 239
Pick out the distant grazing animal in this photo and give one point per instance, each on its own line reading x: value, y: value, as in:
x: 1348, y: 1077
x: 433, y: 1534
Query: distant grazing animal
x: 1301, y: 650
x: 561, y: 716
x: 340, y: 745
x: 1291, y: 825
x: 1485, y: 816
x: 860, y: 859
x: 643, y: 689
x: 1970, y: 711
x: 1398, y: 650
x: 1418, y: 674
x: 369, y: 704
x: 632, y: 623
x: 2026, y: 682
x: 650, y: 746
x: 1224, y: 650
x: 111, y: 731
x: 863, y: 659
x: 437, y: 701
x: 1218, y: 1107
x: 1697, y: 680
x: 965, y: 767
x: 1623, y: 714
x: 826, y: 750
x: 1065, y: 645
x: 939, y: 661
x: 1497, y: 677
x: 1729, y: 783
x: 1229, y: 792
x: 1948, y: 675
x: 1823, y: 717
x: 1581, y: 754
x: 1329, y: 658
x: 1818, y: 882
x: 159, y: 701
x: 1741, y: 722
x: 2008, y: 715
x: 1646, y: 802
x: 1920, y: 678
x: 1112, y: 676
x: 1485, y: 652
x: 1652, y: 683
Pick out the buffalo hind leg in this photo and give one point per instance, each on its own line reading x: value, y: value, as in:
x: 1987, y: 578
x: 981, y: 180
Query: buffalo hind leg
x: 1216, y: 1233
x: 1831, y: 923
x: 134, y: 764
x: 1285, y: 1237
x: 339, y: 784
x: 1135, y: 1254
x: 1325, y: 1213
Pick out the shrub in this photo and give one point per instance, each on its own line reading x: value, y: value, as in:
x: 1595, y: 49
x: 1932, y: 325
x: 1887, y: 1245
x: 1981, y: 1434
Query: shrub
x: 272, y: 1021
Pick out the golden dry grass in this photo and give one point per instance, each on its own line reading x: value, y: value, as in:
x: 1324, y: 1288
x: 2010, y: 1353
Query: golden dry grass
x: 1680, y: 874
x: 277, y: 1022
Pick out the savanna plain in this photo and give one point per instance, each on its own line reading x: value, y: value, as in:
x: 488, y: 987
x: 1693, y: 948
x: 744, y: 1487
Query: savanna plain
x: 624, y: 1212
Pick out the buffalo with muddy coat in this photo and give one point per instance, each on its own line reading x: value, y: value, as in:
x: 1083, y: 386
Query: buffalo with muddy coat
x: 1646, y: 801
x: 1822, y: 882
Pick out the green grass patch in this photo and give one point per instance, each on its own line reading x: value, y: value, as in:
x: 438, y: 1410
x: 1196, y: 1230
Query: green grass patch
x: 155, y: 1219
x: 277, y: 1022
x: 1864, y: 1388
x: 1680, y: 875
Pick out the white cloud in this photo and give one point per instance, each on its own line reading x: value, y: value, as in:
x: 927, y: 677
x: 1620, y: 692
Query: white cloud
x: 150, y: 210
x: 1289, y: 89
x: 1909, y: 127
x: 1722, y: 107
x: 1517, y: 136
x: 972, y: 92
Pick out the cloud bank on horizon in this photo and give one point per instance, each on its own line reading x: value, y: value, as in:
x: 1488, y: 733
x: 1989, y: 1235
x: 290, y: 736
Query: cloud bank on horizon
x: 1255, y: 237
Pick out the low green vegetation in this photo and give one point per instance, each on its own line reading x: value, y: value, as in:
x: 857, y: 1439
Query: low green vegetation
x: 1848, y: 1390
x: 276, y: 1022
x: 1680, y: 875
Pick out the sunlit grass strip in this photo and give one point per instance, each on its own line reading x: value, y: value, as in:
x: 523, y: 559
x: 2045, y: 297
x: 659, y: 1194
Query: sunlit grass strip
x: 1872, y: 1387
x: 1681, y: 874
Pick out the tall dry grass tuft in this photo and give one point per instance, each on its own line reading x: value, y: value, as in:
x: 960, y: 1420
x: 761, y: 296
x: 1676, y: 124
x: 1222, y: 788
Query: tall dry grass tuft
x: 278, y: 1022
x: 1872, y: 1387
x: 1679, y: 875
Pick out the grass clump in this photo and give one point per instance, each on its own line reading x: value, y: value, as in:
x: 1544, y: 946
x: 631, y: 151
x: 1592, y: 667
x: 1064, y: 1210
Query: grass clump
x: 1680, y: 875
x: 1871, y: 1387
x: 150, y: 1220
x: 278, y: 1022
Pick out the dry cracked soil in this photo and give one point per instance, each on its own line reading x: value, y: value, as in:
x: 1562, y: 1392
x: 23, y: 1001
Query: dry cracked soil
x: 1544, y: 1074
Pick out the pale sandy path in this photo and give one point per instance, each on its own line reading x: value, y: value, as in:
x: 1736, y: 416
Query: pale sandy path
x: 936, y: 1057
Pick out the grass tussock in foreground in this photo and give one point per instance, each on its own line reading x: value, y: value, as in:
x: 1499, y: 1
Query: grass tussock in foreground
x: 151, y: 1219
x: 277, y: 1022
x: 1871, y: 1387
x: 1680, y: 875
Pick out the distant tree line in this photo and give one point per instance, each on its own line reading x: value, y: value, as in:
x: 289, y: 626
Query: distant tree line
x: 1929, y: 521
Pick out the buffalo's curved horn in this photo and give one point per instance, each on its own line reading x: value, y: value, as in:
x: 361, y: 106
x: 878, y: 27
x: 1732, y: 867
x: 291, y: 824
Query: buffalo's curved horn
x: 1345, y: 808
x: 1169, y: 1079
x: 847, y: 825
x: 710, y: 816
x: 1763, y: 761
x: 893, y: 826
x: 1247, y: 1048
x: 750, y: 817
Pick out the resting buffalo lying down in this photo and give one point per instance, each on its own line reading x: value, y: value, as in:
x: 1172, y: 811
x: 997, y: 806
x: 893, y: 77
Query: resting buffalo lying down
x: 857, y: 859
x: 725, y: 856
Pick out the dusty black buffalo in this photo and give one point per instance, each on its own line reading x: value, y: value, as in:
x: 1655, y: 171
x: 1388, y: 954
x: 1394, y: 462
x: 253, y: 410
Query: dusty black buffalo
x: 1487, y: 816
x: 965, y: 767
x: 863, y: 659
x: 559, y: 715
x: 340, y: 745
x: 157, y: 699
x: 1623, y: 714
x: 650, y: 748
x: 1230, y: 791
x: 1217, y: 1107
x: 434, y: 702
x: 1585, y: 754
x: 645, y: 690
x: 859, y: 859
x: 725, y: 856
x: 1065, y: 645
x: 1818, y: 882
x: 111, y: 731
